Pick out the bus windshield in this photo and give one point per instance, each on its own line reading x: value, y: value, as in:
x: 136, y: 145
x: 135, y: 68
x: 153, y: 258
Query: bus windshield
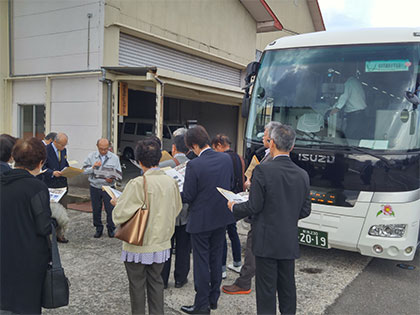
x: 351, y: 95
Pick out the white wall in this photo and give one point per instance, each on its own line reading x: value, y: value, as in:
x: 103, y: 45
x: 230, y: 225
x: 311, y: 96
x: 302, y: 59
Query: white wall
x: 76, y: 109
x: 52, y: 35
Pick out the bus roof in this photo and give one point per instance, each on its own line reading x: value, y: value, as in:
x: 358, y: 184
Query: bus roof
x: 348, y: 37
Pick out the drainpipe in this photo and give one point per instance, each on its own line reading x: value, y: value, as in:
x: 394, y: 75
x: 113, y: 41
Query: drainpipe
x: 159, y: 107
x: 108, y: 104
x: 89, y: 16
x: 10, y: 37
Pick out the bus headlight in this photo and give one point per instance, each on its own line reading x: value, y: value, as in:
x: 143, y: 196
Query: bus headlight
x: 388, y: 230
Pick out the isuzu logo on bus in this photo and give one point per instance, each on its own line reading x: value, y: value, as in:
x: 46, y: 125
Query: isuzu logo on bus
x: 316, y: 158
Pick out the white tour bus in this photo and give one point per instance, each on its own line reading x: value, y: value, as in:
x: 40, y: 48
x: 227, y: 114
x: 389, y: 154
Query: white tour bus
x: 352, y: 97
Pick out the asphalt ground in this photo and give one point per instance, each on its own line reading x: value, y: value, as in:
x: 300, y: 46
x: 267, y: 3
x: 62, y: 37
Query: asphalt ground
x: 99, y: 283
x: 382, y: 288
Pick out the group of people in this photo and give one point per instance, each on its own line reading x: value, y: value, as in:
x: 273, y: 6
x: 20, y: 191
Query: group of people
x: 195, y: 219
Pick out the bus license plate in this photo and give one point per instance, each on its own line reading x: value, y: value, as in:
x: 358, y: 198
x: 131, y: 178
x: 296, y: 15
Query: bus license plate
x: 313, y: 238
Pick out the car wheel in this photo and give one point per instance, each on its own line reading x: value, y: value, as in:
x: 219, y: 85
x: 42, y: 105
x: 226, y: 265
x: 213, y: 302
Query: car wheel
x: 128, y: 153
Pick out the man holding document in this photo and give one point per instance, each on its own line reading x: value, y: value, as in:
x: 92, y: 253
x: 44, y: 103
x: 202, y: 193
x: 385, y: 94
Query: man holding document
x: 279, y: 197
x: 103, y: 168
x: 208, y: 217
x: 56, y: 161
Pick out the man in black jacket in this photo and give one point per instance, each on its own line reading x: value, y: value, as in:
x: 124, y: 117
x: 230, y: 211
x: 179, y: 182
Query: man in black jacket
x: 208, y: 217
x: 279, y: 197
x: 56, y: 162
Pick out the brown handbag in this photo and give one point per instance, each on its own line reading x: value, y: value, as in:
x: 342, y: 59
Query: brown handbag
x: 132, y: 231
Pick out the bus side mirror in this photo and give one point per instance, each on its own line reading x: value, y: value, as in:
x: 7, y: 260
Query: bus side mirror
x: 245, y: 105
x: 251, y: 70
x: 413, y: 99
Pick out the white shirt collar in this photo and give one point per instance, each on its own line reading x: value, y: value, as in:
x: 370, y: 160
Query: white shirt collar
x: 204, y: 150
x: 281, y: 155
x: 55, y: 149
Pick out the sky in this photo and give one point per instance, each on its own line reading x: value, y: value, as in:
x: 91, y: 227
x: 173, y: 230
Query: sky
x: 339, y: 14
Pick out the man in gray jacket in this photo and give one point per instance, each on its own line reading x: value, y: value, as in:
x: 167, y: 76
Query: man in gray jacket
x: 95, y: 166
x: 181, y: 237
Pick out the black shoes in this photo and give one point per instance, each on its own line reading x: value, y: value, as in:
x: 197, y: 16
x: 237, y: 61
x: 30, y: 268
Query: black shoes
x: 62, y: 239
x: 193, y: 310
x: 213, y: 306
x: 180, y: 284
x: 98, y: 234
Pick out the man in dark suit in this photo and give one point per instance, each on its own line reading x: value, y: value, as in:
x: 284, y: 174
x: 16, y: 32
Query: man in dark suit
x: 208, y: 217
x: 56, y: 161
x: 279, y: 197
x: 242, y: 284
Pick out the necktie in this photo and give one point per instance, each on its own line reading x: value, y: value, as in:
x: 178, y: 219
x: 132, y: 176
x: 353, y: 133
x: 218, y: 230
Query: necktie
x: 59, y: 156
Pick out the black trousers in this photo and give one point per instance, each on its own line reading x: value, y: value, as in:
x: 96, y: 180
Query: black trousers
x: 98, y: 196
x: 182, y: 241
x: 275, y: 276
x: 207, y: 253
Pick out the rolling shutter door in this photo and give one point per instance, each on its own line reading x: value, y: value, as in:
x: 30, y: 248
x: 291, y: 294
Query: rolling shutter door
x: 136, y: 52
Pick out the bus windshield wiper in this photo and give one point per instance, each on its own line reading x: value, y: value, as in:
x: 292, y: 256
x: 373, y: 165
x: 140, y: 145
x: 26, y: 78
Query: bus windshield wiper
x: 388, y: 162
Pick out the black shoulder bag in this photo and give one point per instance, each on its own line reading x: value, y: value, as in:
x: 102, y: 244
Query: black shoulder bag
x: 55, y: 291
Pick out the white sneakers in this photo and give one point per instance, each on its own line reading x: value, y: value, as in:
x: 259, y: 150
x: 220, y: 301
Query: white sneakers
x: 231, y: 267
x: 234, y: 268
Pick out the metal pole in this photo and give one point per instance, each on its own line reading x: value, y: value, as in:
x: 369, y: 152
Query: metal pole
x: 108, y: 109
x: 47, y: 105
x: 10, y: 38
x: 33, y: 120
x: 89, y: 16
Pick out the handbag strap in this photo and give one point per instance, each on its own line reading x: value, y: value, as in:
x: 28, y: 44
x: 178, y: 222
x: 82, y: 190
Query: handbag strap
x: 56, y: 262
x: 146, y: 197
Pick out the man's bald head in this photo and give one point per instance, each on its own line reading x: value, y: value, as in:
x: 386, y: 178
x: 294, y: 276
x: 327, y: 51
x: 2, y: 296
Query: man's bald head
x: 60, y: 141
x: 103, y: 146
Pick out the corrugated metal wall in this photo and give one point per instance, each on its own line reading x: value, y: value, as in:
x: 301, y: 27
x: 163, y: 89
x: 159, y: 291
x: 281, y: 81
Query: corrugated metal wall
x: 140, y: 53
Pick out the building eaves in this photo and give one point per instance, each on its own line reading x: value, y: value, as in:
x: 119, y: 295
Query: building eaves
x: 266, y: 20
x: 140, y: 71
x: 316, y: 15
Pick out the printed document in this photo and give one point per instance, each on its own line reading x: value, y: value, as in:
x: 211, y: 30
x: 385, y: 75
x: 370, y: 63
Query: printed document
x: 231, y: 196
x: 181, y: 168
x: 107, y: 172
x: 113, y: 193
x: 252, y: 165
x: 175, y: 175
x: 71, y: 171
x: 165, y: 156
x: 56, y: 193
